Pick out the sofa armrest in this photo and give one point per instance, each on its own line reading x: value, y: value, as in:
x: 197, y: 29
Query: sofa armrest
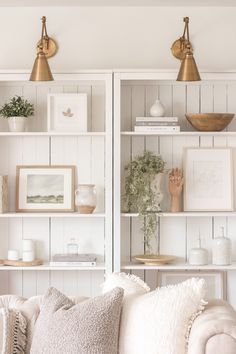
x: 214, y: 331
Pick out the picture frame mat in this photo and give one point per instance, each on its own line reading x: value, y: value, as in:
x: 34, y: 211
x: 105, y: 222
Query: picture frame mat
x: 203, y: 204
x: 56, y: 123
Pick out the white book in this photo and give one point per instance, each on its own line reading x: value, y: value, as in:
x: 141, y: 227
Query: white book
x: 156, y: 128
x: 72, y: 264
x: 157, y: 119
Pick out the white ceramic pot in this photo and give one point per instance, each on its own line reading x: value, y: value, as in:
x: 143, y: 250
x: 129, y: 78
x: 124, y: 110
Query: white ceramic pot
x: 16, y: 124
x: 157, y: 109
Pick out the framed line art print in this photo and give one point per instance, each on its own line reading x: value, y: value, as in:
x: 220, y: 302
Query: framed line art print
x: 208, y: 179
x: 67, y: 112
x: 45, y: 188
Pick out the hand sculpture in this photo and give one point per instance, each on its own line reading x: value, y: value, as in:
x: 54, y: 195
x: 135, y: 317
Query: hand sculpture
x: 176, y: 182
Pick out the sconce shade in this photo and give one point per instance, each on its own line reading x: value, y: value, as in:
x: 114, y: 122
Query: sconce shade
x: 41, y: 70
x: 188, y: 69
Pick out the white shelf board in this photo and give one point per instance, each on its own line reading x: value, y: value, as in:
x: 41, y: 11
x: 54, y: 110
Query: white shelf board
x: 52, y: 215
x: 176, y: 266
x: 183, y: 133
x: 46, y: 266
x: 25, y: 134
x: 187, y: 214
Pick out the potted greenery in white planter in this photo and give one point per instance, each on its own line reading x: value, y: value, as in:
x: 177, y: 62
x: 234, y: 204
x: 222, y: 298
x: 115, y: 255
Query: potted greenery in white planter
x: 143, y: 194
x: 16, y: 112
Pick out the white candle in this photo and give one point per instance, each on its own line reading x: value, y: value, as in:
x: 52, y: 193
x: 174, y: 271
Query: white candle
x: 27, y: 245
x: 28, y: 256
x: 13, y: 255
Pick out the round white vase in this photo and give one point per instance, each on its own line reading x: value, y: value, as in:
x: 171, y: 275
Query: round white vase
x: 16, y: 124
x: 157, y: 109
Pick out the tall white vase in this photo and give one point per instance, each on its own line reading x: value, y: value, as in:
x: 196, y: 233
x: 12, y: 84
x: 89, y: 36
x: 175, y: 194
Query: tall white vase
x: 16, y: 124
x: 156, y: 187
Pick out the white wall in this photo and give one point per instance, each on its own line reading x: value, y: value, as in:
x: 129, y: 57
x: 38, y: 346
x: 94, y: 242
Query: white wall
x: 116, y: 37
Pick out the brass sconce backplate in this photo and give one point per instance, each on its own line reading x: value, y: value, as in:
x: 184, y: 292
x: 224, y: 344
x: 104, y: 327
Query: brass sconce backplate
x: 179, y: 48
x: 49, y: 47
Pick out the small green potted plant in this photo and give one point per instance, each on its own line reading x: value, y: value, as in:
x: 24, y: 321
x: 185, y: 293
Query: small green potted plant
x: 16, y: 111
x: 143, y: 194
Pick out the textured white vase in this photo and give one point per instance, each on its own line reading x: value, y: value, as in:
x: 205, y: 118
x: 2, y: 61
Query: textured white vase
x: 157, y: 109
x: 156, y: 187
x: 221, y: 250
x: 16, y: 124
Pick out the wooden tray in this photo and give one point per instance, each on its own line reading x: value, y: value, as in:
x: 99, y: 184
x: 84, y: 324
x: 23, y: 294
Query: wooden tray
x: 20, y: 263
x: 153, y: 259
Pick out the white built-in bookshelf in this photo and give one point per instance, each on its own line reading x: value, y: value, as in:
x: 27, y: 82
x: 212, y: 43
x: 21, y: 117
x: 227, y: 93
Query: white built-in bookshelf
x: 134, y: 93
x: 91, y: 153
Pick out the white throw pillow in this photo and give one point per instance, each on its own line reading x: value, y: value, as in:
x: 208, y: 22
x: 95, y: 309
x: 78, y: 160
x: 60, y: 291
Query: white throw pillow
x: 159, y: 322
x: 129, y: 282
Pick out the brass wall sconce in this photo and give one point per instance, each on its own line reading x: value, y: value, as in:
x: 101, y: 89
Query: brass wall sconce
x: 46, y: 48
x: 182, y: 50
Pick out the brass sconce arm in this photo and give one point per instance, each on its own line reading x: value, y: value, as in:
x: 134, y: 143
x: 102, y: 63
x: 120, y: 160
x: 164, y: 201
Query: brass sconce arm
x: 182, y: 50
x: 46, y: 48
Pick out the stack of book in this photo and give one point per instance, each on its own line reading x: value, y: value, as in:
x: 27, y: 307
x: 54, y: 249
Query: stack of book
x: 157, y: 124
x: 73, y: 260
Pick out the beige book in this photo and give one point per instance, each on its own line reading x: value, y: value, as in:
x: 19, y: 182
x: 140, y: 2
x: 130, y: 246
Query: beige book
x: 3, y: 194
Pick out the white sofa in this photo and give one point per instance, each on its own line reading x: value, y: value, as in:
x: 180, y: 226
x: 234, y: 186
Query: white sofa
x: 213, y: 332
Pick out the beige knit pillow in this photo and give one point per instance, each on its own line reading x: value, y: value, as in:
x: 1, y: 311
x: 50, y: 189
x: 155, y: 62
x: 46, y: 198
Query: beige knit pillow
x: 90, y: 327
x: 12, y: 332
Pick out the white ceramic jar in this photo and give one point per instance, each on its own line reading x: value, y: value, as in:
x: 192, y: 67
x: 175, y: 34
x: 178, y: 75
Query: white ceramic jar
x: 221, y: 250
x: 157, y: 109
x: 198, y: 255
x: 85, y: 198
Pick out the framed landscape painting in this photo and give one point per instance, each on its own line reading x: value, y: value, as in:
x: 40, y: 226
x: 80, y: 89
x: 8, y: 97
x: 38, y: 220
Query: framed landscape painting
x: 208, y: 179
x: 45, y: 188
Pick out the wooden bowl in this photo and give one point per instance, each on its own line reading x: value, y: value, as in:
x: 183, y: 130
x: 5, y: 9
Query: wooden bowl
x: 209, y: 122
x: 154, y: 259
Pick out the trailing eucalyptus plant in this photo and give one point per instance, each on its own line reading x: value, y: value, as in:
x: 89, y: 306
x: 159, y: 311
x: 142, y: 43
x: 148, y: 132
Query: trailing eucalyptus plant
x: 17, y: 107
x: 141, y: 194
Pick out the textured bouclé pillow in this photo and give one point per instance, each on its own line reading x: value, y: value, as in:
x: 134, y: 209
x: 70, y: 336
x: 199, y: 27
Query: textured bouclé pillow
x: 90, y: 327
x: 129, y: 282
x: 158, y: 322
x: 12, y: 332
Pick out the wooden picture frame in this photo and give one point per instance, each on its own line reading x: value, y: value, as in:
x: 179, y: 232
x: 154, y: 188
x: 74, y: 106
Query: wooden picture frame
x: 215, y: 281
x: 43, y: 188
x: 67, y: 112
x: 208, y: 179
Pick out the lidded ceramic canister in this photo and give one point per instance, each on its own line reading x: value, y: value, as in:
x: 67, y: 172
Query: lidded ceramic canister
x: 198, y: 255
x: 221, y: 250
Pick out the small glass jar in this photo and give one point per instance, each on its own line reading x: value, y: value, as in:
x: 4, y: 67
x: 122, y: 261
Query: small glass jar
x: 85, y: 198
x: 72, y: 247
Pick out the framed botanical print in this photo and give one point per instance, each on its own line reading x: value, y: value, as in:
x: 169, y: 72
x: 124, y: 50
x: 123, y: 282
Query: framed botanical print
x: 67, y: 112
x: 208, y: 179
x: 45, y: 188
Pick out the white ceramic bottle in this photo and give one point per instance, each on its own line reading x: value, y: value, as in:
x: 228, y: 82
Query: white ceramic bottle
x: 221, y: 250
x: 198, y: 255
x: 157, y: 109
